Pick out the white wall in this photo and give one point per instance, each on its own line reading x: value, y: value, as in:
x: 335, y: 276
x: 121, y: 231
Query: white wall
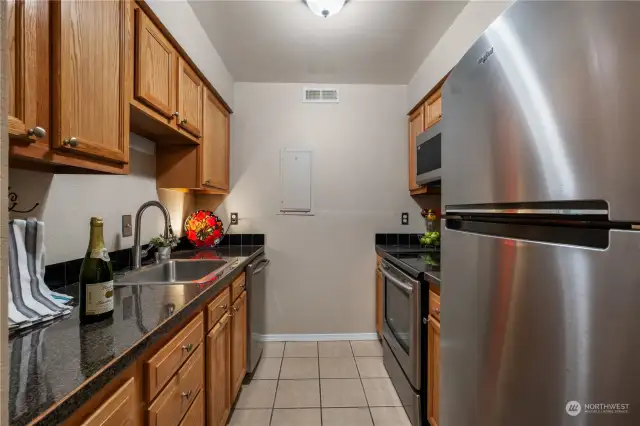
x: 321, y: 279
x: 183, y: 24
x: 463, y: 32
x: 67, y: 202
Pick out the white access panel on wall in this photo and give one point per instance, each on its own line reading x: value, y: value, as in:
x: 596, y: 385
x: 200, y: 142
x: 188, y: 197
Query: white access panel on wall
x: 295, y: 181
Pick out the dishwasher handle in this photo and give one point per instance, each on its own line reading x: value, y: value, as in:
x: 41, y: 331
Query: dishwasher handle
x: 264, y: 263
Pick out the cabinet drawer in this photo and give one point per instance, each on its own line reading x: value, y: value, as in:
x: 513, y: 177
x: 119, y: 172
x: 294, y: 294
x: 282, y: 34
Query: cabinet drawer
x: 195, y: 415
x: 118, y: 410
x: 217, y: 308
x: 177, y: 396
x: 167, y: 360
x: 434, y: 305
x: 237, y: 287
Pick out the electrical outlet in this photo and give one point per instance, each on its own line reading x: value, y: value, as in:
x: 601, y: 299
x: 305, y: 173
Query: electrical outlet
x: 234, y: 218
x: 127, y: 229
x: 405, y: 218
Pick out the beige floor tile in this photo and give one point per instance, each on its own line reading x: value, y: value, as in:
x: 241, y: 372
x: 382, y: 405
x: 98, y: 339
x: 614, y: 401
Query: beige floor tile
x: 370, y: 367
x: 334, y: 349
x: 301, y: 350
x: 346, y: 417
x: 299, y: 368
x: 366, y: 348
x: 258, y: 394
x: 389, y: 416
x: 260, y: 417
x: 298, y: 394
x: 380, y: 393
x: 273, y: 350
x: 269, y: 368
x: 342, y: 393
x: 296, y: 417
x: 338, y: 368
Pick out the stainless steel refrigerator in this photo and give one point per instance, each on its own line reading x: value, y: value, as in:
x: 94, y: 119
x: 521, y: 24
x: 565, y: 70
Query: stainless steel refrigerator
x: 541, y: 249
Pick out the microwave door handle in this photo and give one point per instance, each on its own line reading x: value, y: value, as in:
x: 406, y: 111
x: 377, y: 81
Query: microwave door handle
x: 402, y: 286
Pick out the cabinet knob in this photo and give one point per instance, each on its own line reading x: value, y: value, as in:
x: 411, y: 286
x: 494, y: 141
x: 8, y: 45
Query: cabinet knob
x: 224, y: 307
x: 187, y: 347
x: 437, y: 310
x: 37, y: 131
x: 71, y: 142
x: 184, y: 121
x: 186, y: 394
x: 236, y: 309
x: 176, y: 114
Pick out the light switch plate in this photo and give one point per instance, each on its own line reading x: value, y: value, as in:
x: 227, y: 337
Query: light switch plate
x: 405, y: 218
x: 234, y: 218
x: 127, y: 228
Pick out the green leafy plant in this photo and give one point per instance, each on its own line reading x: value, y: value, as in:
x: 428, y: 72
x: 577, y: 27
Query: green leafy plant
x: 161, y: 241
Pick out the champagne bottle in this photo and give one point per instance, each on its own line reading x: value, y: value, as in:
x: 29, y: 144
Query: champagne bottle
x: 96, y: 278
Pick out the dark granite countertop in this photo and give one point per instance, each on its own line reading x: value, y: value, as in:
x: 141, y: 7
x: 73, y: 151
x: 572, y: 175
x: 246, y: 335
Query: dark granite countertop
x: 48, y: 364
x: 418, y: 269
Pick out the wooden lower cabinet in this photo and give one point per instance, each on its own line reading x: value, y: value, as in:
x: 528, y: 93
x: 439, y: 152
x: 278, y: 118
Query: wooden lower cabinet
x: 118, y: 410
x: 433, y: 362
x: 219, y: 372
x: 379, y: 303
x: 238, y: 344
x: 195, y: 415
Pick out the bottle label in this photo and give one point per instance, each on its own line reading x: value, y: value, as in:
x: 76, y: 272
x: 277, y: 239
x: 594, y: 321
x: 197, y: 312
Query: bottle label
x: 100, y: 254
x: 99, y: 298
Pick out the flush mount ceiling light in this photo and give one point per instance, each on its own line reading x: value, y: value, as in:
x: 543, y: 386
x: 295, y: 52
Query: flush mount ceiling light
x: 325, y: 8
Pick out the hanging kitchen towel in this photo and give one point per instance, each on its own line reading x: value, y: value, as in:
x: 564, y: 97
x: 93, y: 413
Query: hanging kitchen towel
x: 30, y: 300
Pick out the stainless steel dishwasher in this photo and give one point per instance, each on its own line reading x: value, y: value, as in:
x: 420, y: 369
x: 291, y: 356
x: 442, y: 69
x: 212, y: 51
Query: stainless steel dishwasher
x: 256, y: 293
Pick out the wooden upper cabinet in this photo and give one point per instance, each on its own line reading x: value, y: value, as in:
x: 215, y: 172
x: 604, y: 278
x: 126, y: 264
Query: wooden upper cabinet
x: 434, y: 109
x: 215, y: 145
x: 416, y: 126
x: 238, y: 344
x: 155, y: 67
x: 219, y: 372
x: 119, y: 410
x: 433, y: 365
x: 90, y: 102
x: 27, y: 42
x: 190, y: 97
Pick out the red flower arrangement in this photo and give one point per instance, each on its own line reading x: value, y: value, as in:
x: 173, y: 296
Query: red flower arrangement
x: 204, y: 229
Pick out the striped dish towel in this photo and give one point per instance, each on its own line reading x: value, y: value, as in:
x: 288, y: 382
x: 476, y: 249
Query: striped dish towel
x: 30, y: 300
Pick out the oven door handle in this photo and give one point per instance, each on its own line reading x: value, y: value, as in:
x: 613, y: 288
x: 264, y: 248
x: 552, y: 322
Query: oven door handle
x: 402, y: 286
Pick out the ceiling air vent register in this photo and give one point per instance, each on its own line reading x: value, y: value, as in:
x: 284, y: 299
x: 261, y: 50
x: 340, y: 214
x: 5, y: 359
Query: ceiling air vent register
x: 320, y: 95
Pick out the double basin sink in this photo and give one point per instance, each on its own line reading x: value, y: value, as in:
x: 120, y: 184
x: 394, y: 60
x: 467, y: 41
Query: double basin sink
x: 177, y: 271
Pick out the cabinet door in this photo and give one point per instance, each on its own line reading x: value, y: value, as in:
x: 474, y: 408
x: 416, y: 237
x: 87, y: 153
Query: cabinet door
x: 215, y: 144
x: 155, y: 67
x: 416, y: 126
x: 379, y: 303
x: 219, y: 373
x: 23, y: 35
x: 238, y: 344
x: 91, y: 108
x: 433, y: 393
x: 119, y: 410
x: 434, y: 109
x: 190, y: 89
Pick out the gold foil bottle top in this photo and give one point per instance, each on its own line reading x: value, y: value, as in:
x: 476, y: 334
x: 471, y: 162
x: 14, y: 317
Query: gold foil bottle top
x: 96, y: 221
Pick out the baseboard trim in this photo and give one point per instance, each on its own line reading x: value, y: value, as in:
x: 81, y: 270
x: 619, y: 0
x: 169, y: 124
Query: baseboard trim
x: 318, y: 337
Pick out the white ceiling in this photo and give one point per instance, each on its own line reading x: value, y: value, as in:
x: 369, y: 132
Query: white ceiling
x: 368, y: 42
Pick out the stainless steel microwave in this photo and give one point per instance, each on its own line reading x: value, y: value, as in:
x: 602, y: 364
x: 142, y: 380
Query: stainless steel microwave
x: 428, y: 155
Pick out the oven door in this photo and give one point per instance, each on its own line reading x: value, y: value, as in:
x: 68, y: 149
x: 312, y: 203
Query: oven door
x: 402, y: 320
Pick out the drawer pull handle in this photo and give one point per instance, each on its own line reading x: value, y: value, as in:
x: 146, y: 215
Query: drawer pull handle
x: 71, y: 142
x: 224, y: 307
x: 37, y: 131
x: 236, y: 309
x: 437, y: 310
x: 187, y: 394
x: 187, y: 347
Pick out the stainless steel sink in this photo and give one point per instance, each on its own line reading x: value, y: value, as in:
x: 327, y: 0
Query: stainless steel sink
x: 175, y: 272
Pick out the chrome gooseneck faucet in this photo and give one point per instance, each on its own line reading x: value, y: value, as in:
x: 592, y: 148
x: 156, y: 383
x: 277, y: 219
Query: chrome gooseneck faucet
x: 137, y: 258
